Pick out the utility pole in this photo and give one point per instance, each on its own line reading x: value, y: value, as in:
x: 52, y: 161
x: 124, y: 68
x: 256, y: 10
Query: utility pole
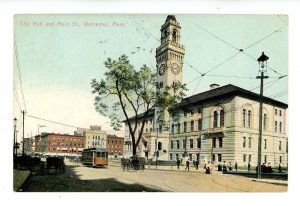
x: 23, y: 112
x: 262, y: 68
x: 14, y: 145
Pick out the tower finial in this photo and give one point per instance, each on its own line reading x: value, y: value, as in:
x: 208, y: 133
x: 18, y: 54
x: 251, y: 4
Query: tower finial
x: 172, y: 17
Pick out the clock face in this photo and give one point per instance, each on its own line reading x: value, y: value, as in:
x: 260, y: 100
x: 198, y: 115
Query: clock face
x: 161, y: 69
x: 175, y: 68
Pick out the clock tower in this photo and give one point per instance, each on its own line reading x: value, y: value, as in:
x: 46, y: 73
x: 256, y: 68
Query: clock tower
x: 169, y: 56
x: 170, y: 53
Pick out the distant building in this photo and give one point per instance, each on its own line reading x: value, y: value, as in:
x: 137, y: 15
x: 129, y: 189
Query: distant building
x: 28, y: 146
x: 95, y: 137
x: 60, y: 144
x: 115, y: 145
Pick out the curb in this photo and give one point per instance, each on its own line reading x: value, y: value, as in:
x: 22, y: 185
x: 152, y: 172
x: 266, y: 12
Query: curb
x: 274, y: 183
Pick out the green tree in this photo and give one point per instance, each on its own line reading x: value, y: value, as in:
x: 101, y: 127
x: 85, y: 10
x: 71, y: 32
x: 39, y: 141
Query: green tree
x: 126, y: 93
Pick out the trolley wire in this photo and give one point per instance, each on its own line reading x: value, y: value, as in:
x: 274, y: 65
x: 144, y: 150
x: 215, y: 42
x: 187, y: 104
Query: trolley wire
x: 19, y: 72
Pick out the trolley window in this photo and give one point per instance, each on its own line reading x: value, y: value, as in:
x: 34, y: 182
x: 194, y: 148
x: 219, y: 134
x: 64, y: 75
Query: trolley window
x: 98, y: 154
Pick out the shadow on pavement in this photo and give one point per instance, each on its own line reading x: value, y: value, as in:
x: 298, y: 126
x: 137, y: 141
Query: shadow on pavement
x: 70, y: 182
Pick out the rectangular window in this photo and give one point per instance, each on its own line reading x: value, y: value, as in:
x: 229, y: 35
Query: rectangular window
x: 214, y: 157
x: 198, y: 156
x: 191, y: 143
x: 266, y: 159
x: 190, y: 157
x: 199, y: 124
x: 184, y: 144
x: 280, y: 145
x: 215, y: 119
x: 184, y: 127
x: 219, y: 157
x: 249, y: 142
x: 178, y: 128
x: 244, y: 158
x: 280, y: 127
x: 198, y: 143
x: 280, y: 159
x: 244, y: 118
x: 244, y: 142
x: 275, y: 126
x: 172, y: 145
x: 275, y: 111
x: 172, y: 129
x: 160, y: 128
x: 265, y: 143
x: 178, y: 144
x: 222, y: 118
x: 280, y: 114
x: 177, y: 157
x: 250, y: 158
x: 220, y: 142
x: 249, y: 119
x: 214, y: 142
x: 192, y: 126
x: 171, y: 156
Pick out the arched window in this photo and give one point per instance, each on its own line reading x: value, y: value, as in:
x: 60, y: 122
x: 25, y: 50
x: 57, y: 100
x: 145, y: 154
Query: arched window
x: 178, y: 128
x: 222, y: 118
x: 215, y: 124
x: 244, y: 118
x: 265, y: 121
x: 249, y: 118
x: 174, y: 35
x: 172, y: 129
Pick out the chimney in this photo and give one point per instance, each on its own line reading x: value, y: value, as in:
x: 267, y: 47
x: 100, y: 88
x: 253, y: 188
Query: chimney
x: 214, y: 86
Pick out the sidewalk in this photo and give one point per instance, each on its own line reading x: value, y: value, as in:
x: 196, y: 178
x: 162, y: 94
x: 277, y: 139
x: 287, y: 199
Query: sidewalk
x: 202, y: 171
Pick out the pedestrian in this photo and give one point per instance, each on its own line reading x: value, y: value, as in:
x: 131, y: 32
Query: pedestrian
x: 207, y: 168
x: 178, y: 163
x: 279, y: 168
x: 197, y: 164
x: 249, y: 167
x: 235, y: 166
x: 230, y: 167
x: 224, y: 167
x: 187, y: 165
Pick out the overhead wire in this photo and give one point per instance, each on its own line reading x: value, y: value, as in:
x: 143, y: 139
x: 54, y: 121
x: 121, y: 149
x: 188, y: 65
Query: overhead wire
x: 19, y: 72
x: 16, y: 96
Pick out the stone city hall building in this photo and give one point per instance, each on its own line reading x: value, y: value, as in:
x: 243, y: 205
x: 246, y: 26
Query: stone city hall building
x: 221, y: 124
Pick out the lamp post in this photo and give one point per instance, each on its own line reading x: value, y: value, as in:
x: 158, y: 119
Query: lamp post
x: 262, y: 61
x: 14, y: 145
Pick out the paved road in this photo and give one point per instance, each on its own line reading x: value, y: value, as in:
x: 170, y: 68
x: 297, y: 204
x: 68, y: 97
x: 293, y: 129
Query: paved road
x: 175, y: 181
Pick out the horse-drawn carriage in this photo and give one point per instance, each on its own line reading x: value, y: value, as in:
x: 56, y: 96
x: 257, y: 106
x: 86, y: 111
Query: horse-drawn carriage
x: 133, y: 163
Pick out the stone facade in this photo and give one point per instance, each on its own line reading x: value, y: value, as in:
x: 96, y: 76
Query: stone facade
x: 221, y: 124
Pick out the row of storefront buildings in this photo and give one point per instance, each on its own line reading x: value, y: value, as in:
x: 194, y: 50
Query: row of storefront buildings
x: 65, y: 144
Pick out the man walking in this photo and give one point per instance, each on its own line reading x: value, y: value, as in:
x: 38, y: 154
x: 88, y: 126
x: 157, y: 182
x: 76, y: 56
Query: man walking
x: 197, y: 164
x: 235, y: 166
x: 178, y: 163
x: 187, y: 165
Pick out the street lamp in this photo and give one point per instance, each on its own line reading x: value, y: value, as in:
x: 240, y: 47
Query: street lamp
x: 14, y: 145
x: 262, y: 61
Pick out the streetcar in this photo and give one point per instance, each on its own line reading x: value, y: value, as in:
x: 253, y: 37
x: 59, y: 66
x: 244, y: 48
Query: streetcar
x: 95, y: 157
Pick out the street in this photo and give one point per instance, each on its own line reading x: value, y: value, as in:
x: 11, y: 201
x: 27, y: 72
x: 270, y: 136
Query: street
x: 113, y: 178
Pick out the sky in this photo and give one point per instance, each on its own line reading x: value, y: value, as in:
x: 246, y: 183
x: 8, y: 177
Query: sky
x: 56, y: 56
